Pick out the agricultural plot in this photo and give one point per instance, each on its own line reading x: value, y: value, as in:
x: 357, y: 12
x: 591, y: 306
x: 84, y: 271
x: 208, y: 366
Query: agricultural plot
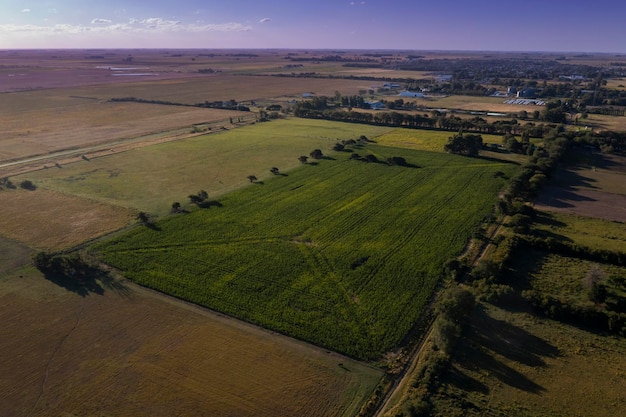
x: 593, y: 187
x: 49, y: 220
x: 425, y: 140
x: 342, y: 253
x: 564, y: 278
x: 150, y: 179
x: 512, y: 363
x: 585, y: 231
x: 74, y: 123
x: 132, y: 352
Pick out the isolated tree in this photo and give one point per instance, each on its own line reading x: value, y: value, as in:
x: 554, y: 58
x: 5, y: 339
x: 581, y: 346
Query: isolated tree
x: 316, y: 154
x: 175, y: 207
x: 274, y: 170
x: 252, y: 178
x: 303, y: 159
x: 371, y: 158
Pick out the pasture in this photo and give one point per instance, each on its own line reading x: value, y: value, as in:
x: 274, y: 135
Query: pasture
x: 425, y: 140
x: 343, y: 253
x: 585, y: 231
x: 514, y: 363
x: 127, y: 351
x: 151, y: 178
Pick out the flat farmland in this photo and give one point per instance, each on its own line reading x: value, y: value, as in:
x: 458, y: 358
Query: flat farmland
x: 214, y: 87
x: 343, y: 253
x: 512, y: 363
x: 594, y: 186
x: 72, y: 122
x: 131, y: 352
x: 586, y: 231
x: 425, y: 140
x: 602, y: 122
x: 48, y: 220
x: 152, y: 178
x: 494, y: 104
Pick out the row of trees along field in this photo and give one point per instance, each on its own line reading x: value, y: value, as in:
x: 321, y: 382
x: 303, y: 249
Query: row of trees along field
x: 318, y: 108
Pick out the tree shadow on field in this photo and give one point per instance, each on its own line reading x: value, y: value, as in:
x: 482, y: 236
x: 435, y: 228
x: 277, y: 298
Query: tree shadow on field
x: 490, y: 339
x: 208, y: 204
x: 92, y: 281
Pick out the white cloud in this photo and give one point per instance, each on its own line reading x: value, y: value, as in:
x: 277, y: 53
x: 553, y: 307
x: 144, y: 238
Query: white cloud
x: 265, y: 20
x: 103, y: 26
x: 25, y: 10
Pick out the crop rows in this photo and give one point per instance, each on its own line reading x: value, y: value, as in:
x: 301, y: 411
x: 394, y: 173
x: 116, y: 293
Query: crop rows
x: 344, y: 253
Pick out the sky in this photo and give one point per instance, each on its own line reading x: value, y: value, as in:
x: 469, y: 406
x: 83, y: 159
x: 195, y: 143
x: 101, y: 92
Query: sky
x: 486, y: 25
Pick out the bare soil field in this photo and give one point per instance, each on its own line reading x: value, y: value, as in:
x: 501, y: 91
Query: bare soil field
x: 49, y: 220
x: 595, y: 187
x: 125, y: 351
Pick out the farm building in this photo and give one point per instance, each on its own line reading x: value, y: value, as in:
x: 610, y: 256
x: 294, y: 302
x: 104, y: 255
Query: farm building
x: 376, y: 105
x: 414, y: 94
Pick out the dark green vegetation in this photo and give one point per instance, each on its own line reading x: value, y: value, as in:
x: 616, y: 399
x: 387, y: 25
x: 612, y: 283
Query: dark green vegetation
x: 343, y: 253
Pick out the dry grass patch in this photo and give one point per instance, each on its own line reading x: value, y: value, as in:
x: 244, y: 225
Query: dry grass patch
x: 49, y: 220
x: 131, y: 352
x: 79, y: 123
x: 494, y: 104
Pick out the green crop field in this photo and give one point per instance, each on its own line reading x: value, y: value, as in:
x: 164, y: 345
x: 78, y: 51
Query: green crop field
x: 342, y: 253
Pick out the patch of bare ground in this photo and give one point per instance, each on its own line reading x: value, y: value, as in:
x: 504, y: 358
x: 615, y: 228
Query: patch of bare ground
x: 127, y: 351
x: 594, y: 187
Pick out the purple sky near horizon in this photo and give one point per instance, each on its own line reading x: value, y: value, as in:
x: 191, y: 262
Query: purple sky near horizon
x: 488, y: 25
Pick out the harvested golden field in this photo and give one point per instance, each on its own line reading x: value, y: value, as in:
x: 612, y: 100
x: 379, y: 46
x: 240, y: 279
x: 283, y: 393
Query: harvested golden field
x: 236, y: 87
x: 50, y: 220
x: 602, y: 122
x: 77, y: 123
x: 131, y: 352
x: 473, y: 103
